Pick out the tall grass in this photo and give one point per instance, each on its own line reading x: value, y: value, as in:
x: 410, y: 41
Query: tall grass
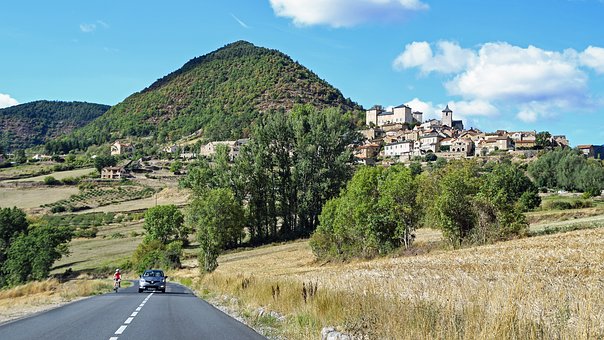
x: 541, y: 287
x: 36, y: 296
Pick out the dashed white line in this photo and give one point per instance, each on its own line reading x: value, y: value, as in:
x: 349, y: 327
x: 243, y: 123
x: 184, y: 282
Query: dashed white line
x: 121, y: 329
x: 129, y: 320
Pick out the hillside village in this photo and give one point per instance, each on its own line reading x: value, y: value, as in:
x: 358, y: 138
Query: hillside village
x: 400, y: 134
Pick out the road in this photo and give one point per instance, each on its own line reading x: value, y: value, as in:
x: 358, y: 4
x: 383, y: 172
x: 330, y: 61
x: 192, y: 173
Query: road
x: 127, y: 314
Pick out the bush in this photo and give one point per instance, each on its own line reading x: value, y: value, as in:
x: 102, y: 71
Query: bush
x: 86, y: 232
x: 49, y: 180
x: 566, y: 204
x: 70, y: 181
x: 57, y: 209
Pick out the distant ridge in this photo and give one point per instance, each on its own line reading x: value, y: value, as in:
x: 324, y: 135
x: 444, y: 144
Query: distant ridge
x: 31, y: 124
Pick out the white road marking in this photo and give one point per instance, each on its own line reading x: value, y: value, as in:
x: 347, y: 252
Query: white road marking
x: 121, y: 329
x: 129, y: 320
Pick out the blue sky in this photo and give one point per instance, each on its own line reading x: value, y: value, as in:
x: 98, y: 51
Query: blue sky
x: 515, y: 64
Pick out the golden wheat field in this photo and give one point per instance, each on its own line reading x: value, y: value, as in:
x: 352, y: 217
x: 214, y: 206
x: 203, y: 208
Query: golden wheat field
x: 548, y: 287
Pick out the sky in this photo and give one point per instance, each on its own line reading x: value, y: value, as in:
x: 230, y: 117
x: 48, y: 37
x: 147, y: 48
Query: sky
x: 514, y: 64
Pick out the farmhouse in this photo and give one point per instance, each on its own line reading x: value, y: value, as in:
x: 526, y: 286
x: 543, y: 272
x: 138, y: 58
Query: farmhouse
x: 113, y: 172
x: 119, y: 148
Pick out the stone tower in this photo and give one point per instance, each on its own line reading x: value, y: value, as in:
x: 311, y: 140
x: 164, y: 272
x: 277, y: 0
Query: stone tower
x: 447, y: 117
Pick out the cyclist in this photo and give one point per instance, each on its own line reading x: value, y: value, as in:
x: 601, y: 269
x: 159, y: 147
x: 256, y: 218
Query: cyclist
x: 117, y: 278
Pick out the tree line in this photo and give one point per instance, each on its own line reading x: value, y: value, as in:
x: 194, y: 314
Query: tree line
x: 568, y: 169
x: 380, y: 208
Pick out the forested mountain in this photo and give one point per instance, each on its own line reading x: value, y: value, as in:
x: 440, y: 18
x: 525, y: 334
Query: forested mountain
x: 35, y: 123
x: 219, y: 94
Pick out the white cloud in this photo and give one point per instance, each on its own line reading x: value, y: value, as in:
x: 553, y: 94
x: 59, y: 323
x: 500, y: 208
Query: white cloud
x: 87, y: 28
x: 530, y: 81
x: 345, y: 13
x: 527, y: 115
x: 474, y: 108
x: 503, y: 72
x: 429, y: 110
x: 593, y: 57
x: 449, y: 57
x: 6, y: 101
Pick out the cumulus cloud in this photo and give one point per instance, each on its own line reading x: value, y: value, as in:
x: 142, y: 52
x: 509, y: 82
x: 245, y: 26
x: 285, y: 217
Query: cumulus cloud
x: 345, y: 13
x: 532, y: 80
x: 593, y: 57
x: 527, y: 115
x: 474, y: 108
x: 429, y: 110
x: 449, y: 57
x: 6, y: 101
x: 510, y: 73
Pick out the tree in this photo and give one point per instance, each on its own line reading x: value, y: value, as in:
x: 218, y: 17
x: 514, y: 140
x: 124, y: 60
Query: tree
x: 176, y: 166
x: 103, y: 161
x: 20, y: 156
x: 376, y: 213
x: 398, y: 203
x: 451, y: 205
x: 416, y: 168
x: 430, y: 157
x: 165, y: 223
x: 219, y: 220
x: 543, y: 140
x: 12, y: 223
x: 32, y: 254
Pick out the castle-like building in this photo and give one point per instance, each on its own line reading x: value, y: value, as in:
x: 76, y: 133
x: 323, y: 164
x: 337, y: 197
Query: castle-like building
x: 377, y: 116
x: 401, y: 114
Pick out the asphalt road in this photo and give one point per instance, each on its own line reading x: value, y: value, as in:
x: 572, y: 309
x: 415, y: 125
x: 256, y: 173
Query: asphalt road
x: 127, y: 314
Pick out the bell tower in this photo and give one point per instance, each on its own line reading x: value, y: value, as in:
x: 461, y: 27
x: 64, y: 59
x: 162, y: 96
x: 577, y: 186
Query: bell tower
x: 447, y: 117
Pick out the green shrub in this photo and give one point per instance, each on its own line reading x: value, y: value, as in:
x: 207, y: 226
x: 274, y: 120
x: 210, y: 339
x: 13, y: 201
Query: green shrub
x: 57, y: 209
x: 566, y: 204
x: 49, y: 180
x: 86, y: 232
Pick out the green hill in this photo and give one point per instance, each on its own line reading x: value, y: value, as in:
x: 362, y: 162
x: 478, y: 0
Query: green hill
x: 217, y: 95
x: 30, y: 124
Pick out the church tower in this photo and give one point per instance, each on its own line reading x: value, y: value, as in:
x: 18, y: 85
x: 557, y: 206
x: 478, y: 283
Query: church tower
x: 447, y: 117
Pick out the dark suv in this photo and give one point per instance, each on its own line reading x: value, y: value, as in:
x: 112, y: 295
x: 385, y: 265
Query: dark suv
x: 152, y: 279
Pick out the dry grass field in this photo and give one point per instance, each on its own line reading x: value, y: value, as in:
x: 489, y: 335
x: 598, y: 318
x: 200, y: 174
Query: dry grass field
x: 28, y: 198
x: 57, y: 175
x: 534, y: 288
x: 38, y: 296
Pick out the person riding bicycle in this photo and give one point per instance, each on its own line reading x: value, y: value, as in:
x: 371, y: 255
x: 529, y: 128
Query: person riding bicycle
x: 117, y: 277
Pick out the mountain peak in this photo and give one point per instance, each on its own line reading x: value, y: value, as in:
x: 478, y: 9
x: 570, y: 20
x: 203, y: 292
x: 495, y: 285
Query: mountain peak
x: 220, y: 94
